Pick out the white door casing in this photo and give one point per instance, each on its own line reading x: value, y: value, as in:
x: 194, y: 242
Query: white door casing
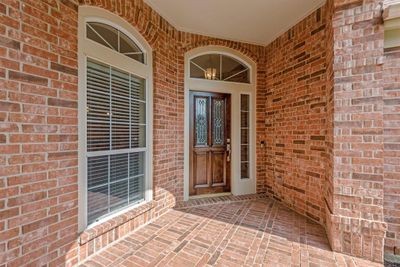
x: 238, y: 186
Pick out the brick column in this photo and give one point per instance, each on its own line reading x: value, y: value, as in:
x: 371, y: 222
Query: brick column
x: 355, y: 223
x: 391, y: 118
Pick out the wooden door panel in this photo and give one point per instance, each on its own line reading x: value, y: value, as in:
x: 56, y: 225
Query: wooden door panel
x: 200, y: 163
x: 218, y: 173
x: 209, y: 132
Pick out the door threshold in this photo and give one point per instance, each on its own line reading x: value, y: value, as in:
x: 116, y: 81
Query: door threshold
x: 210, y: 195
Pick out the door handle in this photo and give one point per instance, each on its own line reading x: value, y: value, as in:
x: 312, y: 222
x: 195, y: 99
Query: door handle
x: 228, y: 149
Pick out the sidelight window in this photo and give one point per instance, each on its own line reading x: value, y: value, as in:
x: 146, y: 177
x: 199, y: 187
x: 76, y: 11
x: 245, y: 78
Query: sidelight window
x: 244, y: 136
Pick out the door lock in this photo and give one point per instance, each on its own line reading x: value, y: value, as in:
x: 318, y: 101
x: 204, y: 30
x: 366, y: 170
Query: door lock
x: 228, y: 149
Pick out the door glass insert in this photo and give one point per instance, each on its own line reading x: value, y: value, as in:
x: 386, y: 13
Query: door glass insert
x: 219, y: 121
x: 201, y: 121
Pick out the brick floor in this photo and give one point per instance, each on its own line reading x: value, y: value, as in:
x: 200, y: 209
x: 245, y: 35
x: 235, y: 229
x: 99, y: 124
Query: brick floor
x: 258, y: 232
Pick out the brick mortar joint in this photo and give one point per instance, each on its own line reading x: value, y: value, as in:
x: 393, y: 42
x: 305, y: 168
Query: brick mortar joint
x: 339, y: 217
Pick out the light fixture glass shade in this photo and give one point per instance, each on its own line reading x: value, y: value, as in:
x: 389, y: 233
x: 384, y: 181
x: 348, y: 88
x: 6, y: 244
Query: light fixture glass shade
x: 210, y: 74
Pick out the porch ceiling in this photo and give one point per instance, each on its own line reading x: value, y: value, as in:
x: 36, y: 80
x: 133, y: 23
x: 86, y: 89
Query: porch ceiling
x: 255, y: 21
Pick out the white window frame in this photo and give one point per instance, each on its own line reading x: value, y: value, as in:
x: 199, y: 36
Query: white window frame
x: 238, y: 186
x: 251, y: 148
x: 391, y: 16
x: 91, y: 49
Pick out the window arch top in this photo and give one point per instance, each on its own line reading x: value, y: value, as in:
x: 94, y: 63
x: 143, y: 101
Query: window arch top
x: 220, y: 67
x: 114, y: 39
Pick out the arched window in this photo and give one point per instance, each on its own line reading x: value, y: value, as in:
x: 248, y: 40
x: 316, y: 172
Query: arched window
x: 115, y: 104
x: 115, y: 39
x: 219, y: 67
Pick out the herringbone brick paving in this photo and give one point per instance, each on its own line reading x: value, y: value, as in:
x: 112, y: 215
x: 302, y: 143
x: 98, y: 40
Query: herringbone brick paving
x: 259, y: 232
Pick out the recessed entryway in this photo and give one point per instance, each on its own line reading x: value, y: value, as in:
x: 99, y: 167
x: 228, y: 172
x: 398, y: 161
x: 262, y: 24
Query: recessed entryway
x: 219, y: 123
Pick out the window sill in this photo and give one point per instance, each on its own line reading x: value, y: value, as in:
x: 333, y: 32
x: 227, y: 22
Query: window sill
x: 112, y: 223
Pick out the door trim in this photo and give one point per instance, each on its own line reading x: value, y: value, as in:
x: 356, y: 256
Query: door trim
x: 238, y: 186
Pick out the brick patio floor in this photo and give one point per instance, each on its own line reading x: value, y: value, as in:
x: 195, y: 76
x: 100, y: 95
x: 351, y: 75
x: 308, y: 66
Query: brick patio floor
x: 248, y: 233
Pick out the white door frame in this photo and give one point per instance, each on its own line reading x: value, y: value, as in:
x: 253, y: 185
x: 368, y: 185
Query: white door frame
x: 238, y: 186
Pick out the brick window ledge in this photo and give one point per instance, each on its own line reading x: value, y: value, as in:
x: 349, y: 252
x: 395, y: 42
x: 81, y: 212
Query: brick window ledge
x: 112, y: 223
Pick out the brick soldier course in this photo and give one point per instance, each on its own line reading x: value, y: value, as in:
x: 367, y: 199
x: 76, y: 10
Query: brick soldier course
x: 327, y: 179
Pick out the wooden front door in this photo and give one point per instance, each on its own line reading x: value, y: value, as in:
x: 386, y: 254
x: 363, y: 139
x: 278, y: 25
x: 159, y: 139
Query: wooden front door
x: 210, y: 143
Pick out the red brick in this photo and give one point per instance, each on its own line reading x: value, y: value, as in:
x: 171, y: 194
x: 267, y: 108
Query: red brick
x: 39, y: 224
x: 6, y: 214
x: 17, y: 201
x: 27, y: 178
x: 25, y: 138
x: 6, y: 235
x: 11, y: 107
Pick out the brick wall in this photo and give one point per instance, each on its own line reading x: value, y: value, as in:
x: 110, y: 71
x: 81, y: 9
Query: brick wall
x: 342, y: 186
x: 38, y: 127
x: 329, y: 78
x: 391, y: 139
x: 356, y: 224
x: 330, y: 135
x: 295, y: 117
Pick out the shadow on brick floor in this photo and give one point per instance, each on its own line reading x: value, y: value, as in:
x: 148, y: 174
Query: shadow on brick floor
x: 258, y: 232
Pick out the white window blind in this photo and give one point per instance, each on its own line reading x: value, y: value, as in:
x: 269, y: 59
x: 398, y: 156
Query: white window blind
x: 116, y: 139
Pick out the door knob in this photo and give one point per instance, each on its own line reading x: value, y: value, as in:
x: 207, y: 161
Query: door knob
x: 228, y: 149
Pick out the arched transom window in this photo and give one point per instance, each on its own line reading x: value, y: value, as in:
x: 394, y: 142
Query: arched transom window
x: 219, y: 67
x: 115, y: 39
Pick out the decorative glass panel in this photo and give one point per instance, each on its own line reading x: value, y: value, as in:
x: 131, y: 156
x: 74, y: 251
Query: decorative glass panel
x: 116, y: 122
x: 114, y: 39
x: 219, y: 122
x: 244, y: 136
x: 219, y: 67
x: 201, y: 120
